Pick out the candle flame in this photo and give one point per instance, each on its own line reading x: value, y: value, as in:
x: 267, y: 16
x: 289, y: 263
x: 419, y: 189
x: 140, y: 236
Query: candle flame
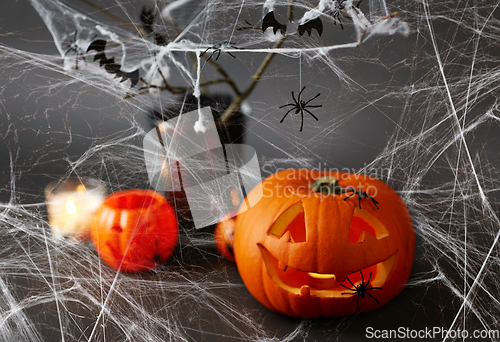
x: 164, y: 169
x: 235, y: 198
x: 71, y: 207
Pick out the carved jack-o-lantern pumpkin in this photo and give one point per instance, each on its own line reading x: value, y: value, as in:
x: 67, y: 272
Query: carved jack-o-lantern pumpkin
x: 308, y: 252
x: 135, y: 230
x: 224, y: 235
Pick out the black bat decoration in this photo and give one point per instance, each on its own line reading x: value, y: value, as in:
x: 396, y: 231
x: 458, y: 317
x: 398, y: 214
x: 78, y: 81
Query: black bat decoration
x: 270, y: 21
x: 311, y: 24
x: 109, y: 63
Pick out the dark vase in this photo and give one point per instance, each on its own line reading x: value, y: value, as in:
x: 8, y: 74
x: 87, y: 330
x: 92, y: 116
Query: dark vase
x: 231, y: 132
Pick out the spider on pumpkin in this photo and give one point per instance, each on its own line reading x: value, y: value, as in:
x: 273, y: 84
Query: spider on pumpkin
x: 300, y: 106
x: 361, y: 195
x: 218, y: 48
x: 361, y: 289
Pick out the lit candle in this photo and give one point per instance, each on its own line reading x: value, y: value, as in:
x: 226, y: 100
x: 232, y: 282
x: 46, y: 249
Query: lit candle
x: 71, y: 206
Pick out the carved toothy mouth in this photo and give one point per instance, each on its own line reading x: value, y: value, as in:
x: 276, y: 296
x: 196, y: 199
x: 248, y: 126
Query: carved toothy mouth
x: 323, y: 285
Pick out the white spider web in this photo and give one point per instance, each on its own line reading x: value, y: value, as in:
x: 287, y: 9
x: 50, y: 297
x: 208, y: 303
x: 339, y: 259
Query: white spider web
x: 415, y: 104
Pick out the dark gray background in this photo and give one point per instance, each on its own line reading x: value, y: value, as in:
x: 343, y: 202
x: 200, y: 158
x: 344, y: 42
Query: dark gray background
x: 355, y: 143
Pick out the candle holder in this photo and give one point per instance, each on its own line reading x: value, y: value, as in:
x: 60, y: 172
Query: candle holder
x: 71, y: 205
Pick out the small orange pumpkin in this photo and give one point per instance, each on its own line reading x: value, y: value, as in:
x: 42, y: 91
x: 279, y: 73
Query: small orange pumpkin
x: 134, y: 230
x: 306, y: 252
x: 224, y: 235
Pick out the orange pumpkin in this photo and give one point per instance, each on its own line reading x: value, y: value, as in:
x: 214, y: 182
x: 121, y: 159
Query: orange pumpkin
x: 134, y: 230
x: 224, y: 235
x: 306, y: 252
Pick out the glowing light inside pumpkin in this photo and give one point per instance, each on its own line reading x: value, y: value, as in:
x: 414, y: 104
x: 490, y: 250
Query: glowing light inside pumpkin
x: 323, y: 285
x: 290, y: 226
x: 291, y: 221
x: 322, y: 281
x: 362, y: 222
x: 321, y: 276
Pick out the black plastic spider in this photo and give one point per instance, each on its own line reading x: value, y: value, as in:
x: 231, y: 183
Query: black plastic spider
x: 73, y: 47
x: 218, y: 48
x: 148, y: 18
x: 361, y: 289
x: 300, y: 106
x: 337, y: 12
x: 361, y: 195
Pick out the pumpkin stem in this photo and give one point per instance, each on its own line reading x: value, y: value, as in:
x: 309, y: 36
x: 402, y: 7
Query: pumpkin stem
x: 327, y: 185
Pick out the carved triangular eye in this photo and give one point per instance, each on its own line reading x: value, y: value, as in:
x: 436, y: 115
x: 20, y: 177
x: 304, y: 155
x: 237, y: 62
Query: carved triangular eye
x: 292, y: 223
x: 363, y: 222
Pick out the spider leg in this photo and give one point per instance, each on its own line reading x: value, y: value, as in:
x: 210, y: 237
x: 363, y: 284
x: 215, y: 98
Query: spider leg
x: 288, y: 104
x: 204, y: 52
x: 370, y: 277
x: 372, y: 297
x: 312, y: 98
x: 314, y: 116
x: 374, y: 201
x: 231, y: 45
x: 72, y: 45
x: 75, y: 49
x: 349, y: 293
x: 302, y: 122
x: 345, y: 287
x: 293, y: 97
x: 286, y: 115
x: 67, y: 51
x: 349, y: 196
x: 218, y: 54
x: 301, y: 92
x: 362, y: 279
x: 349, y: 189
x: 365, y: 194
x: 77, y: 55
x: 359, y: 201
x: 230, y: 54
x: 350, y: 282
